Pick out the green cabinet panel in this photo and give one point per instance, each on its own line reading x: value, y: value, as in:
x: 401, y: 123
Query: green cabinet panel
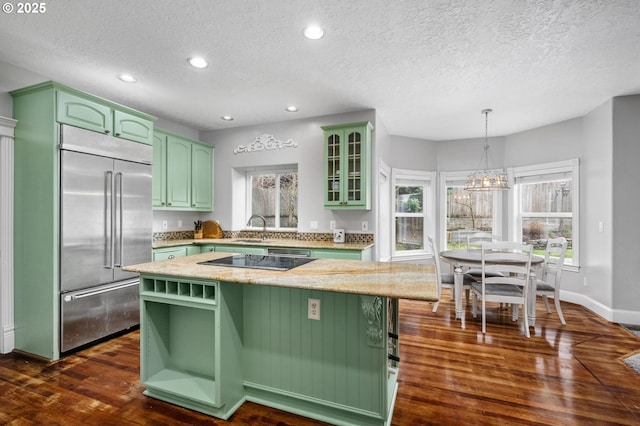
x: 230, y: 248
x: 178, y: 172
x: 201, y: 176
x: 337, y: 254
x: 159, y: 171
x: 81, y: 112
x: 182, y: 173
x: 98, y: 115
x: 193, y: 250
x: 169, y: 253
x: 173, y: 252
x: 128, y: 126
x: 347, y: 162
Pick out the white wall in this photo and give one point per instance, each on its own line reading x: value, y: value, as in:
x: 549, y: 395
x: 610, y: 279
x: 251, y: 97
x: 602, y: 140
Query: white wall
x: 596, y: 183
x: 309, y: 156
x: 626, y: 204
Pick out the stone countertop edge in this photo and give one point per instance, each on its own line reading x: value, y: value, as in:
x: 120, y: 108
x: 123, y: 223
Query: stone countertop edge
x: 269, y: 243
x: 385, y: 279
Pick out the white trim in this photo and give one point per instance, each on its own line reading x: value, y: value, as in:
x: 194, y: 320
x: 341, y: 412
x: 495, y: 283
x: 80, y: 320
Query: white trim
x: 7, y: 326
x: 427, y: 180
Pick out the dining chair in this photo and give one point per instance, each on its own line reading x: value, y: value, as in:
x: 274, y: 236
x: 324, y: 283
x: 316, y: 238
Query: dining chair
x: 474, y: 241
x: 446, y: 280
x: 548, y: 285
x: 513, y: 260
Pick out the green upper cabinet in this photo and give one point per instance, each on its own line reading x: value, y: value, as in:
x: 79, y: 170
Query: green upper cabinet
x: 159, y: 170
x: 91, y: 113
x: 178, y: 172
x: 347, y: 151
x: 81, y: 112
x: 128, y: 126
x: 182, y: 173
x: 201, y: 176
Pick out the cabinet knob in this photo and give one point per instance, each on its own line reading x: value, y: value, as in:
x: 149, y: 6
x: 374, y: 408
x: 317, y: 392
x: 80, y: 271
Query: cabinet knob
x: 162, y: 203
x: 117, y: 134
x: 171, y: 256
x: 168, y: 204
x: 107, y: 131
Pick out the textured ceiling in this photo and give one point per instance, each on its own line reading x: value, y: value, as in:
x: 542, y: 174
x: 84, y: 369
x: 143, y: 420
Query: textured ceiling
x: 427, y: 66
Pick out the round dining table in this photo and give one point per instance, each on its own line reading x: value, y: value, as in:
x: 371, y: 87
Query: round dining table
x: 472, y: 258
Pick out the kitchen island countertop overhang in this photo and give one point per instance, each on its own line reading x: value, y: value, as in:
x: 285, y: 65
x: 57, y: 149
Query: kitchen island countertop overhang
x: 370, y: 278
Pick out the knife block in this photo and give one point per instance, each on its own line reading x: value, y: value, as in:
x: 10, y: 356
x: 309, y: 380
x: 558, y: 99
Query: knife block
x: 197, y: 234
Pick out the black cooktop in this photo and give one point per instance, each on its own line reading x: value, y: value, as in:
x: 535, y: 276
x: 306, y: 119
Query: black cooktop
x: 260, y: 261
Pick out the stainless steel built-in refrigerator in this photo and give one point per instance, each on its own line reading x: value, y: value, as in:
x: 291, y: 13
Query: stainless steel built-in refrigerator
x: 105, y: 223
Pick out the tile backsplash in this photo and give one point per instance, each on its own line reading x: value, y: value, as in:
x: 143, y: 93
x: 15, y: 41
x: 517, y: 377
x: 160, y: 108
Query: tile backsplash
x: 302, y: 236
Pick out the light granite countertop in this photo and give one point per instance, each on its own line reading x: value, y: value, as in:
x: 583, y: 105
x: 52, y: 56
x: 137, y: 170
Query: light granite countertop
x: 275, y: 242
x: 386, y: 279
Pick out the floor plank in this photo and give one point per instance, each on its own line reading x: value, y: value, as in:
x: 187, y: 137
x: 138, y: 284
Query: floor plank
x: 569, y: 375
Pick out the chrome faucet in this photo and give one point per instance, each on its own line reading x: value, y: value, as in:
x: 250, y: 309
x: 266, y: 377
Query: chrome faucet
x: 264, y: 224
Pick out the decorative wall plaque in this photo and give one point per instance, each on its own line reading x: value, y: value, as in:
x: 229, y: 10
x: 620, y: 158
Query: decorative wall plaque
x: 265, y: 142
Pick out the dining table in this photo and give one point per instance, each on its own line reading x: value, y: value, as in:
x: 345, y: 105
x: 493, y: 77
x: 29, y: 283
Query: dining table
x: 472, y: 258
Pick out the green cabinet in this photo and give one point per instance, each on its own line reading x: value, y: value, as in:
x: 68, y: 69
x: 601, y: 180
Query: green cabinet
x: 231, y: 248
x: 182, y: 173
x: 347, y: 152
x: 339, y: 254
x: 191, y: 343
x: 94, y: 114
x: 173, y: 252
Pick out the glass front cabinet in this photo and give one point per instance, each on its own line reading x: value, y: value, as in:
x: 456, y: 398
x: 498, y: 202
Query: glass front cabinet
x: 347, y: 151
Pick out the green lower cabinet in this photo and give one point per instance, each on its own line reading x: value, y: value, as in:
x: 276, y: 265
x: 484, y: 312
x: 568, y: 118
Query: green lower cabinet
x: 230, y: 248
x: 190, y: 344
x: 173, y: 252
x: 341, y: 254
x: 209, y: 346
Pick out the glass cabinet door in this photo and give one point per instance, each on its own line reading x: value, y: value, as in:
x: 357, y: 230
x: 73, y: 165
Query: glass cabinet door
x: 347, y: 166
x: 333, y: 168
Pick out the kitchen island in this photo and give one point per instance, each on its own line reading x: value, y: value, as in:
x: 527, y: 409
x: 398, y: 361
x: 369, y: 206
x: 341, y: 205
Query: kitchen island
x: 319, y: 340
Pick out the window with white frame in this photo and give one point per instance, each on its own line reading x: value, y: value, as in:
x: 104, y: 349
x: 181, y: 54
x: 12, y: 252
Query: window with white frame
x: 466, y: 212
x: 273, y: 194
x: 545, y: 204
x: 413, y: 211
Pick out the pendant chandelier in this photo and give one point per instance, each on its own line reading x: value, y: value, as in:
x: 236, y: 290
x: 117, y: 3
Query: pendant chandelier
x: 486, y: 180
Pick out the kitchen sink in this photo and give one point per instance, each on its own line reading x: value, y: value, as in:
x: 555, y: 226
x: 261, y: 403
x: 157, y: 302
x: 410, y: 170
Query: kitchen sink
x: 251, y: 240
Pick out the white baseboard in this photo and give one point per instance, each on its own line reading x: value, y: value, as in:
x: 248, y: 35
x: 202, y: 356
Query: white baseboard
x: 8, y: 342
x: 611, y: 315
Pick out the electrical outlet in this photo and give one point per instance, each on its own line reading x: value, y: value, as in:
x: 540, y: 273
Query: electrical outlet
x: 332, y: 224
x: 164, y: 224
x: 365, y: 225
x: 179, y: 224
x: 314, y: 309
x: 313, y: 224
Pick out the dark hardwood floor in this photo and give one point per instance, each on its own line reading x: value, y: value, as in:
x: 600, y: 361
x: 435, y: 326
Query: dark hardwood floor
x: 562, y: 375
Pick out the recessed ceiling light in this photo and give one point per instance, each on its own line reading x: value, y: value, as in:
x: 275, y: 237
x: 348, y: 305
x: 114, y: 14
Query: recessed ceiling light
x: 313, y: 32
x: 198, y: 62
x: 127, y: 78
x: 227, y: 118
x: 291, y: 108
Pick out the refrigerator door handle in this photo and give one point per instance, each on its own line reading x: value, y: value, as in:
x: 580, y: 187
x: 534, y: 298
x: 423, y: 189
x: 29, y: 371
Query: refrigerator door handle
x: 109, y: 220
x: 76, y: 296
x: 118, y: 211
